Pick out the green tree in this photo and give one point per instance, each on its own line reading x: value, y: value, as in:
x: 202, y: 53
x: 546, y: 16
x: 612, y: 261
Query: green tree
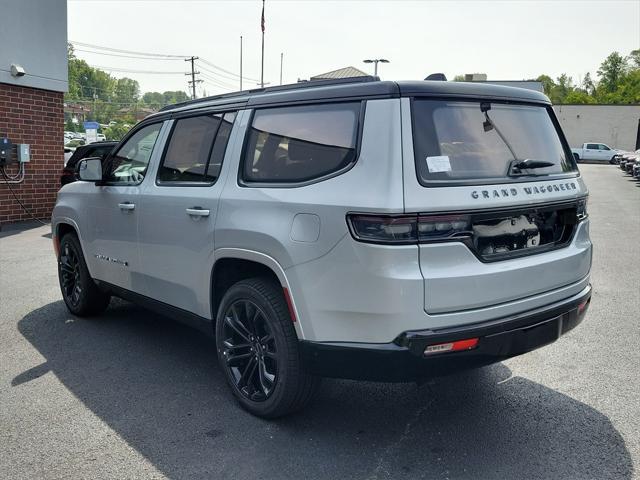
x: 611, y: 72
x: 458, y: 78
x: 588, y: 85
x: 153, y: 99
x: 175, y: 97
x: 634, y: 58
x: 629, y: 88
x: 126, y: 91
x: 547, y: 84
x: 564, y: 86
x: 578, y: 96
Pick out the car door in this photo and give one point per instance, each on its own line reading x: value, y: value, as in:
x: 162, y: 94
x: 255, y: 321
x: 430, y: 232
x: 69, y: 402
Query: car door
x: 179, y: 210
x: 591, y: 151
x: 605, y: 152
x: 113, y: 211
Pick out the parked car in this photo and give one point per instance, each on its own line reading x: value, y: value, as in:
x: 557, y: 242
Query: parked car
x: 598, y: 152
x: 349, y: 228
x: 626, y: 157
x: 636, y: 169
x: 98, y: 149
x: 68, y: 152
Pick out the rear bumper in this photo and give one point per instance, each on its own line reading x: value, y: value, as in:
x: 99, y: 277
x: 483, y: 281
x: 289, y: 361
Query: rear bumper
x: 403, y: 359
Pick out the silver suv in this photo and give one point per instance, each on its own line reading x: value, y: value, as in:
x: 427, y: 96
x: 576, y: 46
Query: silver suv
x: 358, y: 229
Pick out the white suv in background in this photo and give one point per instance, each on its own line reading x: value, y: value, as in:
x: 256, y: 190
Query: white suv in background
x: 357, y: 228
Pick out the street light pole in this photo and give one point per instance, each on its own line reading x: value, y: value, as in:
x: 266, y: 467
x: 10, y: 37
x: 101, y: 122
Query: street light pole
x: 375, y: 62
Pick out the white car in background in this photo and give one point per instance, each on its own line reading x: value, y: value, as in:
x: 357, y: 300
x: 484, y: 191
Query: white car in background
x: 598, y: 152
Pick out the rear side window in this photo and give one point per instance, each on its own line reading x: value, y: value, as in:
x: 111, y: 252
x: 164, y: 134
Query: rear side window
x: 456, y: 140
x: 302, y: 143
x: 196, y: 149
x: 592, y: 146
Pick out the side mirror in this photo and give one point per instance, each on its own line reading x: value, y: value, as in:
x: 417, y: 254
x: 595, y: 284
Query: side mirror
x: 90, y: 169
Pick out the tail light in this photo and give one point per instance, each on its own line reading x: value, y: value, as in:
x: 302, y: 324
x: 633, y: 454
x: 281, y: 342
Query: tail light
x: 407, y: 229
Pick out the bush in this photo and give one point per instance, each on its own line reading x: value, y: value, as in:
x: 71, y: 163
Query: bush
x: 116, y: 132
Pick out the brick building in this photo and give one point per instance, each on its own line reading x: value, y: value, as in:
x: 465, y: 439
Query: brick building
x: 33, y: 79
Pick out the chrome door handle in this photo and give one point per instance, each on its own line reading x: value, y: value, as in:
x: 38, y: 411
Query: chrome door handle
x: 197, y: 212
x: 127, y: 206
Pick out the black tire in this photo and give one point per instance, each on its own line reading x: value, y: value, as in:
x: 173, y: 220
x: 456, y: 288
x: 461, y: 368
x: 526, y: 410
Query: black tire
x: 265, y: 373
x: 79, y: 292
x: 612, y: 161
x: 576, y: 157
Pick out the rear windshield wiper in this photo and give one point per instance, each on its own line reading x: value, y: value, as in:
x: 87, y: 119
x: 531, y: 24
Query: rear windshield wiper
x: 516, y: 166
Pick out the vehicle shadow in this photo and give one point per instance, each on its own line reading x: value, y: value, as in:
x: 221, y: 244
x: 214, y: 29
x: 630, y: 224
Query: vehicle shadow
x: 158, y: 386
x: 9, y: 229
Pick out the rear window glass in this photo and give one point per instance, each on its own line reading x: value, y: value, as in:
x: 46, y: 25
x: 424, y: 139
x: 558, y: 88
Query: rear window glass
x: 297, y: 144
x: 458, y: 141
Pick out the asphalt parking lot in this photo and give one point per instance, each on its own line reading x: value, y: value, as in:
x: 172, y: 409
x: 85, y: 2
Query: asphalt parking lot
x: 134, y: 395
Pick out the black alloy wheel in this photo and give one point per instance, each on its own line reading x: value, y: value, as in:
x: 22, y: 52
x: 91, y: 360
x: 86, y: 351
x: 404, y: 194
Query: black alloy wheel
x: 249, y: 350
x: 258, y: 349
x: 70, y: 275
x: 79, y: 292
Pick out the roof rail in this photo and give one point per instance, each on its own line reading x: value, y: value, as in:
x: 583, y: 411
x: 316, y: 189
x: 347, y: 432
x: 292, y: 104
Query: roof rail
x: 277, y: 88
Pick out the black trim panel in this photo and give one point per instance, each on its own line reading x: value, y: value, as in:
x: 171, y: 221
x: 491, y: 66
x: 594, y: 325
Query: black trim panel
x: 402, y: 360
x: 202, y: 324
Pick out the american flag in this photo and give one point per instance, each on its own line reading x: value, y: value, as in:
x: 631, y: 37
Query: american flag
x: 262, y: 22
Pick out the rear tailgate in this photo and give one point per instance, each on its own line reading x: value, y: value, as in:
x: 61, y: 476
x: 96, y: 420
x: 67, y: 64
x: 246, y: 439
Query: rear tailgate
x: 502, y: 260
x: 519, y: 236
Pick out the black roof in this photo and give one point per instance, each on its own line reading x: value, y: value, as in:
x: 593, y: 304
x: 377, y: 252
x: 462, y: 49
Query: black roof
x: 356, y: 88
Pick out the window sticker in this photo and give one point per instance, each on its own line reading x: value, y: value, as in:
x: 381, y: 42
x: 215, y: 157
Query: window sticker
x: 439, y: 163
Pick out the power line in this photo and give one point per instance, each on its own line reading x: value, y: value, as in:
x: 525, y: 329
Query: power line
x: 157, y: 55
x: 221, y: 75
x: 217, y: 81
x: 146, y: 54
x: 126, y: 56
x: 127, y: 70
x: 213, y: 65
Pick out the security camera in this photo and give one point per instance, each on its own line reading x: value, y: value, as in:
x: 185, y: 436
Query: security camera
x: 17, y: 70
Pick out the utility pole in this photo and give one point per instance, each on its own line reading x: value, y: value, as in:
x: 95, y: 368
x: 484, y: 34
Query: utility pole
x: 193, y: 74
x: 281, y: 57
x: 240, y: 62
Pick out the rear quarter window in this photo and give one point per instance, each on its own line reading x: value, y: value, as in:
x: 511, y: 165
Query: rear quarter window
x: 300, y: 143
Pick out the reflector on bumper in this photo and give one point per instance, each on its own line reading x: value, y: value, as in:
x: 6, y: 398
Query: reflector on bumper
x: 457, y: 346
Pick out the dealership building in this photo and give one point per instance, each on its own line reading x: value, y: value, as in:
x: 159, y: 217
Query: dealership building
x: 33, y: 79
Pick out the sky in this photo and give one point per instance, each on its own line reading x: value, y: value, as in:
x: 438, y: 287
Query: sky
x: 507, y: 40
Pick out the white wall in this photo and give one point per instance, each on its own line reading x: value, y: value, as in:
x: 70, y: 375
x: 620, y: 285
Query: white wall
x: 33, y: 34
x: 615, y: 125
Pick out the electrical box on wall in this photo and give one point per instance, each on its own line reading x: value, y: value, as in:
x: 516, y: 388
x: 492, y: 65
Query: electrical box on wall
x: 23, y: 151
x: 7, y: 152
